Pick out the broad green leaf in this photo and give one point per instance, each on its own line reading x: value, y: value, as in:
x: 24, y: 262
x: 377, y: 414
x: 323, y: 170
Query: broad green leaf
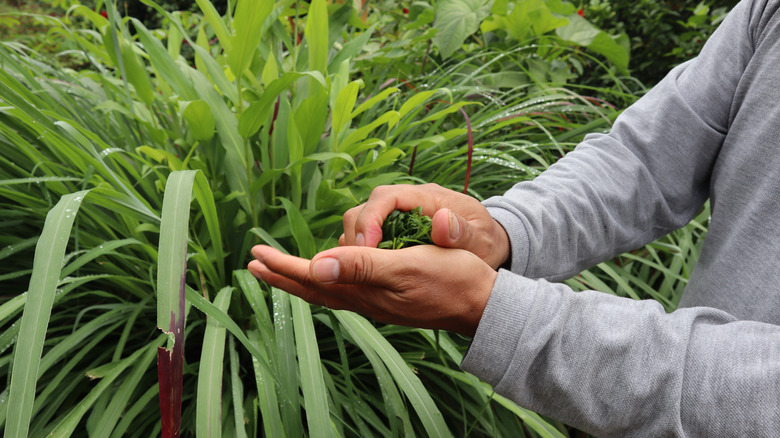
x: 217, y: 25
x: 136, y: 73
x: 456, y: 21
x: 583, y: 33
x: 270, y: 69
x: 173, y: 249
x: 342, y: 112
x: 311, y: 117
x: 316, y: 34
x: 248, y: 24
x: 199, y: 118
x: 209, y: 395
x: 257, y: 113
x: 49, y: 254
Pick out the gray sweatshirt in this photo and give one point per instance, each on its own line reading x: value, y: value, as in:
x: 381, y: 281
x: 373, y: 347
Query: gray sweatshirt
x: 618, y: 367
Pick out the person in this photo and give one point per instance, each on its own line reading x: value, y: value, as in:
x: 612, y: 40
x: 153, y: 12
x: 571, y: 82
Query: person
x: 607, y: 365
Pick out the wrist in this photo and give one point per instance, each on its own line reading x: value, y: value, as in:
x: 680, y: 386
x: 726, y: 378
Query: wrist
x: 502, y: 250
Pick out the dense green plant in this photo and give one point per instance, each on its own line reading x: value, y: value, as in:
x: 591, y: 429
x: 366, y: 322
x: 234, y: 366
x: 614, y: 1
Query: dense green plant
x: 403, y: 229
x: 663, y: 34
x: 273, y: 132
x: 34, y: 25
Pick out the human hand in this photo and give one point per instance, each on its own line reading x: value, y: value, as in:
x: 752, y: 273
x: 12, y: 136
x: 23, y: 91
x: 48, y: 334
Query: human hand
x: 459, y: 221
x: 423, y: 286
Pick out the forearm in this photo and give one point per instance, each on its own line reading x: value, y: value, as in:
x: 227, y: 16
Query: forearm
x: 617, y: 367
x: 648, y: 176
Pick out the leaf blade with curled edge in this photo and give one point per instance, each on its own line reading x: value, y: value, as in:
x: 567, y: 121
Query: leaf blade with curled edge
x: 404, y: 229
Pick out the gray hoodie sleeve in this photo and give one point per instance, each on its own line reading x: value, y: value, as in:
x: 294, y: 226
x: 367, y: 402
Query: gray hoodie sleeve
x: 616, y: 367
x: 613, y: 366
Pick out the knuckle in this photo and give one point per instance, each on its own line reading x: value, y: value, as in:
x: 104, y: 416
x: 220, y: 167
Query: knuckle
x: 362, y: 268
x: 379, y: 191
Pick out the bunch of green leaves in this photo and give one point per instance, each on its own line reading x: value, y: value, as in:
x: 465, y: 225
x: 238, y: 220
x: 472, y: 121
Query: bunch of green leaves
x: 403, y: 229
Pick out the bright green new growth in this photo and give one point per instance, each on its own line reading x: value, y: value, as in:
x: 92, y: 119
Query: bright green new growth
x: 406, y: 228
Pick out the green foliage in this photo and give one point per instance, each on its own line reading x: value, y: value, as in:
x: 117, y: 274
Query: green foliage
x: 662, y: 34
x: 522, y: 21
x: 406, y: 228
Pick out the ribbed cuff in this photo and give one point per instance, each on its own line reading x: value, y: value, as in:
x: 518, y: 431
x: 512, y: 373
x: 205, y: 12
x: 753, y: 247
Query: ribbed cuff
x: 497, y: 338
x: 518, y: 239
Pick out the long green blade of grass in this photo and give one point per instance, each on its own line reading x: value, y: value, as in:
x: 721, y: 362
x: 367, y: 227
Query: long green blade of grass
x: 315, y: 394
x: 237, y: 390
x: 49, y: 254
x: 67, y: 426
x: 171, y: 280
x: 209, y: 401
x: 110, y: 417
x: 173, y: 248
x: 421, y: 399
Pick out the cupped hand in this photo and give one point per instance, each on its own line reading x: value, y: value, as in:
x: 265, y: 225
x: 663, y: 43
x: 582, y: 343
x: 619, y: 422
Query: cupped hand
x: 423, y: 286
x: 459, y: 221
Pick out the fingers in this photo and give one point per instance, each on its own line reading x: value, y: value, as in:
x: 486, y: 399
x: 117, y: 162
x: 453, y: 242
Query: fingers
x: 450, y: 230
x: 290, y: 274
x: 356, y: 265
x: 363, y: 224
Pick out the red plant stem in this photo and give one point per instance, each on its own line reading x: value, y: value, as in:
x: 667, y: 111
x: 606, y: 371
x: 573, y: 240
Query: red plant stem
x: 471, y: 151
x: 425, y: 58
x: 271, y: 128
x: 411, y: 163
x: 170, y: 364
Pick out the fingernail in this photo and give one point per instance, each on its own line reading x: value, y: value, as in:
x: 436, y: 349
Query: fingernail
x: 360, y: 239
x: 326, y: 270
x: 454, y: 226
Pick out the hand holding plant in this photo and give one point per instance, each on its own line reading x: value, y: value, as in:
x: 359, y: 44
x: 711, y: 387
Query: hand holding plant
x: 458, y: 220
x: 422, y: 286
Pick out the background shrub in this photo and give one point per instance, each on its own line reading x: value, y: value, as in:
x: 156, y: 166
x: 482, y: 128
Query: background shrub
x: 662, y: 33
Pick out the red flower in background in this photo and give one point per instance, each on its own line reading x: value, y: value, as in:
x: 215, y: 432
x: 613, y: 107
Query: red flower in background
x: 406, y: 11
x: 581, y: 13
x: 104, y: 14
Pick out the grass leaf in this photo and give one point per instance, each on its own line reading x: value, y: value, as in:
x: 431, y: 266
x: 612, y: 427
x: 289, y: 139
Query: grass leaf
x: 49, y: 254
x: 315, y: 394
x: 209, y: 400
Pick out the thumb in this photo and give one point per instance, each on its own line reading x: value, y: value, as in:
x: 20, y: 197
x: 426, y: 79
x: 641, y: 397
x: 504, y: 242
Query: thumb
x: 351, y: 265
x: 450, y: 230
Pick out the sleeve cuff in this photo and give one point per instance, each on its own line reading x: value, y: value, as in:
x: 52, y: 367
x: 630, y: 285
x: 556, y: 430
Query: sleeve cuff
x: 497, y: 338
x: 518, y: 238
